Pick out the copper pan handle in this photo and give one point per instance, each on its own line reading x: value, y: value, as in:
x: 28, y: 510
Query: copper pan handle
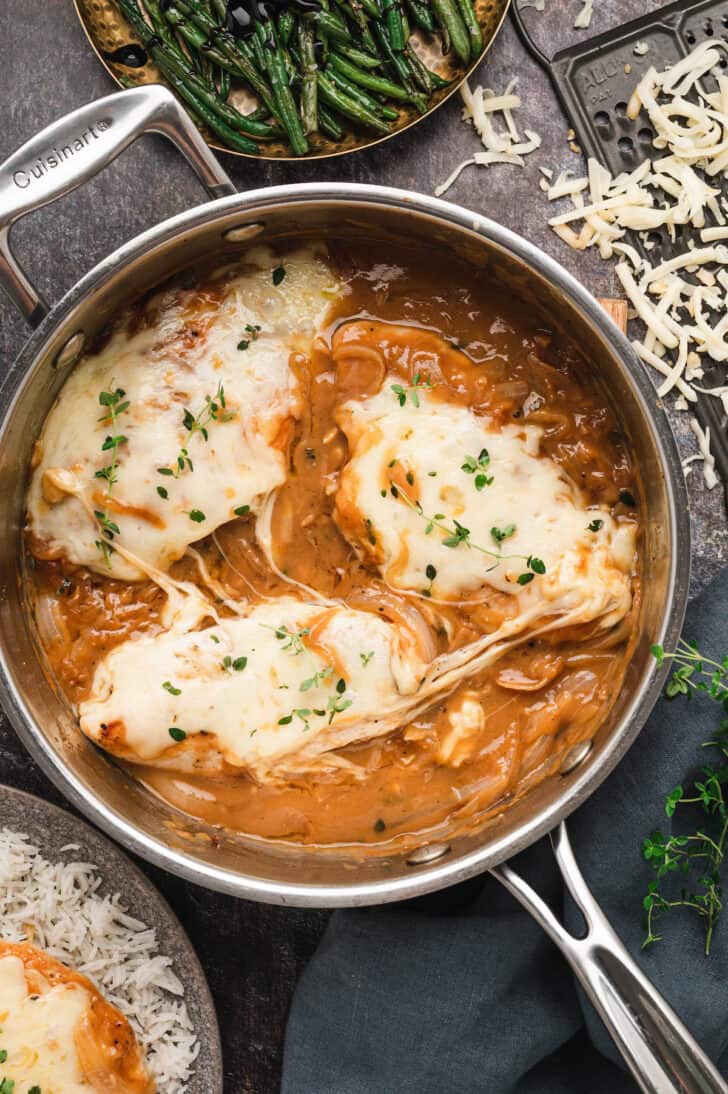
x: 659, y: 1050
x: 74, y: 149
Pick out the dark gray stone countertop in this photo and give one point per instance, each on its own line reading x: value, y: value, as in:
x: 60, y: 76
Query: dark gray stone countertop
x: 253, y: 954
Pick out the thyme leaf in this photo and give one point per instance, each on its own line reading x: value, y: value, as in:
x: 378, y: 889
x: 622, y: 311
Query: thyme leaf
x: 317, y: 679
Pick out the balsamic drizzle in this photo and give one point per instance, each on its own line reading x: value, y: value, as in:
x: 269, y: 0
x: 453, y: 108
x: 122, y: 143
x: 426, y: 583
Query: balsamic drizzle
x: 241, y: 14
x: 131, y: 55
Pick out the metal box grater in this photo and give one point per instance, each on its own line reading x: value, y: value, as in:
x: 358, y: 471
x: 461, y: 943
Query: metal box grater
x: 594, y: 81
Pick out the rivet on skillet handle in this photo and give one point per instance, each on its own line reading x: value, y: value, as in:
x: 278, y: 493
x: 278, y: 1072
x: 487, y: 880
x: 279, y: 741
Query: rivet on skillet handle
x: 659, y: 1050
x: 74, y: 149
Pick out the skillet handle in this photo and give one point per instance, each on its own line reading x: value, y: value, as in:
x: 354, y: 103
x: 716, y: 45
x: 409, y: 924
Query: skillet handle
x: 74, y: 149
x: 659, y: 1050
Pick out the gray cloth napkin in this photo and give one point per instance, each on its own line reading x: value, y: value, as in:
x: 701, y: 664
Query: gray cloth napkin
x: 462, y: 992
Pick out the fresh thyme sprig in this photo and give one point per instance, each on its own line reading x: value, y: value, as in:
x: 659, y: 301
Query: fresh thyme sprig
x: 402, y: 393
x: 457, y: 534
x: 114, y: 404
x: 337, y: 703
x: 696, y: 858
x: 293, y: 641
x: 214, y: 410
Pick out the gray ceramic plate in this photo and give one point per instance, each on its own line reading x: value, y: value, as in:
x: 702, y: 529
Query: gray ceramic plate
x: 50, y: 829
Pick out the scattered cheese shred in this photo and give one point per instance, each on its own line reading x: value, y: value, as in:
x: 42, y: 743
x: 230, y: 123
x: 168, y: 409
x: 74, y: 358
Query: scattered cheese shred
x: 703, y: 439
x: 502, y: 143
x: 584, y: 18
x: 682, y: 301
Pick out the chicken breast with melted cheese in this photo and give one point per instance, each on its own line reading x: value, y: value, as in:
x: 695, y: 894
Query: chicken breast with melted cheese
x: 447, y: 504
x: 288, y: 679
x: 179, y: 421
x: 57, y: 1033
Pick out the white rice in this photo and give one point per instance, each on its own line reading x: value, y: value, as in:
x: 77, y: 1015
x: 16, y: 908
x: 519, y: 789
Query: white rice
x: 57, y: 907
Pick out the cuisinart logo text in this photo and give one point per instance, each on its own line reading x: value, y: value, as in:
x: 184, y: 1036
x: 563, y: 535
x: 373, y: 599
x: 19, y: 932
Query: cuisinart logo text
x: 56, y: 156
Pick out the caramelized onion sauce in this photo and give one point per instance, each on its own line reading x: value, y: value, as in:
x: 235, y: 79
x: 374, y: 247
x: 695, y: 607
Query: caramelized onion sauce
x: 480, y: 349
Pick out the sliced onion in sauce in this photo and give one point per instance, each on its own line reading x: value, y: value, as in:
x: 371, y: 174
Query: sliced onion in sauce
x: 398, y: 611
x: 512, y: 389
x: 49, y: 620
x: 516, y: 680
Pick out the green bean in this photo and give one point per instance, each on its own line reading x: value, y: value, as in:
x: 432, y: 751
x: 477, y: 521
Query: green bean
x: 472, y: 26
x: 258, y: 114
x: 422, y: 15
x: 286, y: 109
x: 161, y: 26
x: 366, y: 79
x: 394, y: 25
x: 372, y: 8
x: 328, y: 124
x: 355, y: 11
x: 338, y: 32
x: 220, y: 9
x: 437, y: 81
x: 420, y: 74
x: 361, y: 97
x: 342, y: 14
x: 358, y: 57
x: 258, y: 54
x: 346, y: 106
x: 211, y: 120
x: 286, y: 25
x: 293, y: 73
x: 401, y: 68
x: 223, y: 84
x: 449, y: 17
x: 309, y: 87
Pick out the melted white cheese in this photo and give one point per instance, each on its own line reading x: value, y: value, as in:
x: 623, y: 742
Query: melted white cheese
x: 165, y: 369
x: 587, y: 572
x: 253, y: 713
x: 38, y: 1032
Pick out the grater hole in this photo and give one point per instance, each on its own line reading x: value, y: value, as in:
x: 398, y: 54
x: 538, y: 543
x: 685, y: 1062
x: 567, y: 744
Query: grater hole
x: 708, y: 28
x: 655, y: 238
x: 626, y: 147
x: 690, y: 37
x: 620, y: 109
x: 725, y: 20
x: 601, y: 118
x: 646, y: 134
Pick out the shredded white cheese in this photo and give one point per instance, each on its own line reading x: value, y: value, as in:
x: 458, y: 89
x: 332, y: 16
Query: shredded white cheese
x: 583, y: 19
x: 682, y: 301
x: 502, y: 142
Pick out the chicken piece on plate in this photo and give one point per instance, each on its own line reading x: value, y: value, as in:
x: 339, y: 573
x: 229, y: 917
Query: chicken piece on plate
x: 58, y: 1033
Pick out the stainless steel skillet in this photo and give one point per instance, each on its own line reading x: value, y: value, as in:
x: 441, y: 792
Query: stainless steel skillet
x: 657, y: 1047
